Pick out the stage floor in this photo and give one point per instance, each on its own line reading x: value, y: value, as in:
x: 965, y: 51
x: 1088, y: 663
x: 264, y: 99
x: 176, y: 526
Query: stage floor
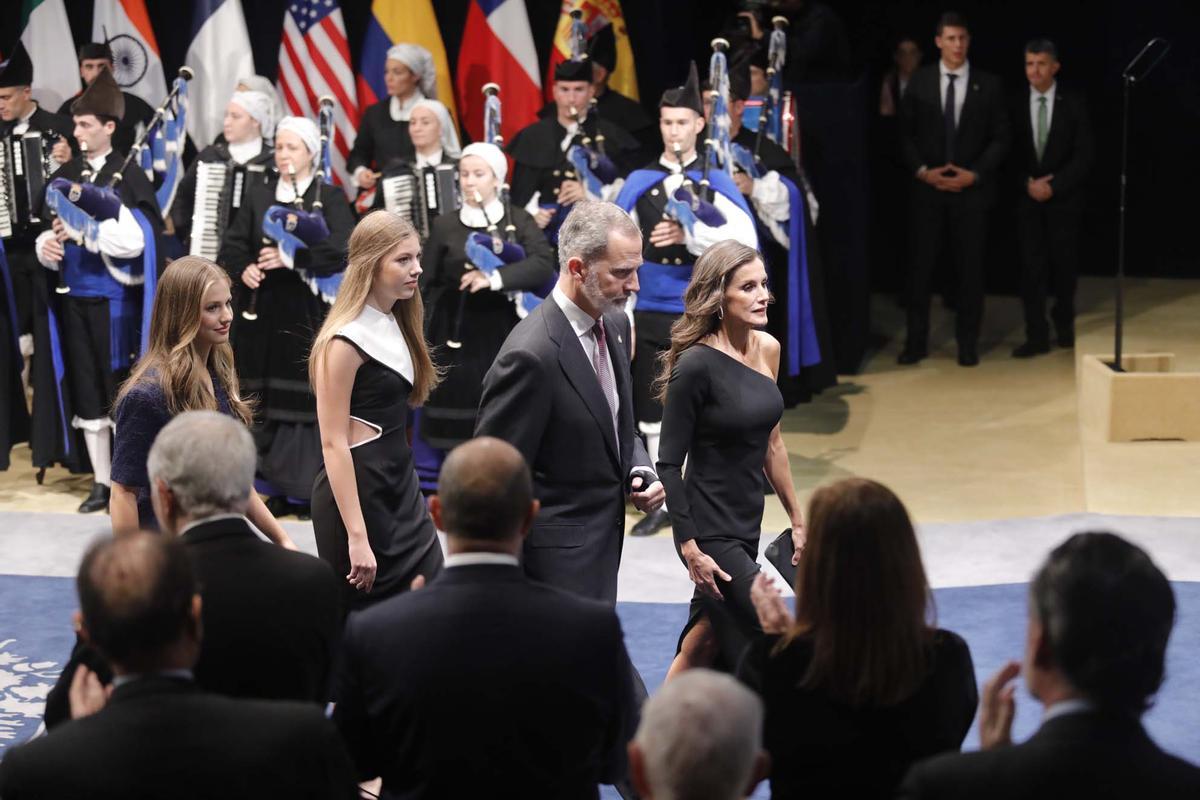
x: 990, y: 461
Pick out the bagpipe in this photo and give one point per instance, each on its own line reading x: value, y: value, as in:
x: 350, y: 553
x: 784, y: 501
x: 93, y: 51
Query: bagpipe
x: 690, y: 204
x: 489, y: 251
x: 774, y: 116
x: 161, y: 149
x: 292, y: 229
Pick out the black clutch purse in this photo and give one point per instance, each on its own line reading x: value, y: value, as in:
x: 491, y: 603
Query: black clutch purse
x: 779, y: 554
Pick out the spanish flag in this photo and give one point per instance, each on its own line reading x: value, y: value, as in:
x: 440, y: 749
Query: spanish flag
x: 596, y: 15
x: 393, y: 22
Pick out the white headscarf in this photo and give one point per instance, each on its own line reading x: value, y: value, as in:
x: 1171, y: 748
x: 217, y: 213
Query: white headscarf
x: 450, y: 146
x: 493, y: 155
x: 257, y: 83
x: 257, y: 105
x: 306, y: 129
x: 420, y: 61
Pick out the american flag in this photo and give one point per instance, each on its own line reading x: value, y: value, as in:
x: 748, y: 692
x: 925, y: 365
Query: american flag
x: 314, y: 60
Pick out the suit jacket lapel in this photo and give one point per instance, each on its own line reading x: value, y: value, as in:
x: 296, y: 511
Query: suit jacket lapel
x: 580, y: 374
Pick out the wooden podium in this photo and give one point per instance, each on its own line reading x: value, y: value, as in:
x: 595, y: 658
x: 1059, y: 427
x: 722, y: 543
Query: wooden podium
x: 1148, y: 401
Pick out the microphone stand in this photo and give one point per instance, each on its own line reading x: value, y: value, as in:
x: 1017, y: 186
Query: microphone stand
x: 1137, y: 69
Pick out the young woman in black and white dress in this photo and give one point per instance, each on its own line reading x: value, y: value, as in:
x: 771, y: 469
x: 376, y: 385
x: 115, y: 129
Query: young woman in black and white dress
x: 369, y: 364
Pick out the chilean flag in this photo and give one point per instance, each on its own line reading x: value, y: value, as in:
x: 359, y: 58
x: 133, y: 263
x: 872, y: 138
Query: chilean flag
x: 497, y: 47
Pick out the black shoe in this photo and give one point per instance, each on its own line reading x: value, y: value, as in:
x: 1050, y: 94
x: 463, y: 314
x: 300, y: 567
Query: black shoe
x: 97, y: 500
x: 1030, y: 349
x: 652, y: 523
x: 968, y: 357
x: 911, y: 355
x: 278, y: 506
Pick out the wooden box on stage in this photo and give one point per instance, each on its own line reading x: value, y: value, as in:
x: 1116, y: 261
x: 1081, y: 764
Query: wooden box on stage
x: 1147, y: 401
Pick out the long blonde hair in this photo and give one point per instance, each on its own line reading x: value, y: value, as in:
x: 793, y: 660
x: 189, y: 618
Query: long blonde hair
x: 702, y: 303
x: 171, y: 360
x: 376, y: 235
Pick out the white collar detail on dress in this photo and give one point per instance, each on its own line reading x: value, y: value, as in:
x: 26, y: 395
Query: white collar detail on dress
x: 241, y: 152
x: 400, y: 110
x: 473, y: 216
x: 378, y: 335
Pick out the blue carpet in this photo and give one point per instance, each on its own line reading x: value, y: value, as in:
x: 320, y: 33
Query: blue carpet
x: 36, y: 636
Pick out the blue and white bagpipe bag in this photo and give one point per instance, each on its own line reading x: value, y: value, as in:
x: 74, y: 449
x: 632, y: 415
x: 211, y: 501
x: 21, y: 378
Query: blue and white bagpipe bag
x: 489, y: 253
x: 161, y: 158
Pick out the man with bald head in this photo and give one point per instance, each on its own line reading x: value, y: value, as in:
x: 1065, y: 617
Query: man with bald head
x: 156, y: 734
x: 485, y: 683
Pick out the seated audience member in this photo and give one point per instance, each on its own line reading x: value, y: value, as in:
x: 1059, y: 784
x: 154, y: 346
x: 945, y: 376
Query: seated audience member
x: 272, y: 617
x: 158, y: 735
x: 859, y: 685
x: 700, y: 738
x: 1100, y: 614
x: 485, y: 683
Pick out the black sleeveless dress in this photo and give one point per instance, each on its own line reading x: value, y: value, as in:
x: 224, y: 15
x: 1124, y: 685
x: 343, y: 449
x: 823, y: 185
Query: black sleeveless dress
x: 399, y: 528
x: 719, y: 415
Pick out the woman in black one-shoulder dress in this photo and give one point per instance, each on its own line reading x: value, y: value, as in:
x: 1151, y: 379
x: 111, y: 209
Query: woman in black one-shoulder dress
x: 721, y: 413
x: 368, y: 366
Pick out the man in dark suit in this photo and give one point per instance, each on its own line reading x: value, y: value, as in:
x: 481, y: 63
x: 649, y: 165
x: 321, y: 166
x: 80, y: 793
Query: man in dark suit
x: 1054, y: 154
x: 953, y: 136
x: 485, y: 683
x: 272, y: 617
x: 1100, y: 616
x: 559, y: 391
x: 158, y: 734
x: 93, y: 58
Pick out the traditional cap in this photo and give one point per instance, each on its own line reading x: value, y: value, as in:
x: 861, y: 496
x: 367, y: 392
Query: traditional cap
x: 102, y: 97
x: 18, y: 70
x: 602, y: 47
x: 574, y: 71
x: 95, y: 50
x: 686, y: 96
x: 493, y: 155
x: 450, y: 146
x: 257, y: 105
x: 306, y: 129
x: 257, y: 83
x: 420, y: 61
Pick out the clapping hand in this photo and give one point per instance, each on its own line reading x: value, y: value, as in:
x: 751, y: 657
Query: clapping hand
x: 773, y: 614
x: 997, y: 708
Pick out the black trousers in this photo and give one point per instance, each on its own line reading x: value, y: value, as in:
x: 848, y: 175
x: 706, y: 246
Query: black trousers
x: 957, y: 219
x: 1048, y: 234
x: 22, y: 263
x: 652, y: 337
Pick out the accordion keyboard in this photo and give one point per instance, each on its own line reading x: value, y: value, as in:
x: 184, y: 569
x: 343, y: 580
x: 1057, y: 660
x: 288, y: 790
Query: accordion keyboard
x: 207, y: 213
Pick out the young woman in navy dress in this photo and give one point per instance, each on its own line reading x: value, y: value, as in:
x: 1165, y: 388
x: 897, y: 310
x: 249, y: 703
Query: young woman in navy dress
x: 188, y: 366
x: 369, y: 364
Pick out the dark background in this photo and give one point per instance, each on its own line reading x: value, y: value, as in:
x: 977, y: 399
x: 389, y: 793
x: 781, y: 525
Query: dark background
x: 1095, y: 40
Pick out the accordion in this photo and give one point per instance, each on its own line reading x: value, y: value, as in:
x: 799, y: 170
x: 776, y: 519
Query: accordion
x: 23, y: 171
x: 421, y: 195
x: 220, y: 189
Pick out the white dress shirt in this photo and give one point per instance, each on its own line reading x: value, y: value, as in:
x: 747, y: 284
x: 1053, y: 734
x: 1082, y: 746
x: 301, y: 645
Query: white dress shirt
x: 241, y: 152
x: 585, y: 330
x: 1034, y: 94
x: 1065, y: 707
x: 960, y: 86
x: 400, y: 111
x: 473, y: 559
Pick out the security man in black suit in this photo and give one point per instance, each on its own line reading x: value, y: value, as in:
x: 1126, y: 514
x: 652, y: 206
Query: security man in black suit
x: 1100, y: 616
x: 159, y: 735
x: 954, y: 136
x: 485, y: 683
x: 272, y: 617
x: 1054, y: 154
x: 567, y: 405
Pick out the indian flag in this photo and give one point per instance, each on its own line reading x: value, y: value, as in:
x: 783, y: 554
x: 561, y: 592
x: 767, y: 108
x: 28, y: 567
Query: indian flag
x: 46, y: 34
x: 125, y: 25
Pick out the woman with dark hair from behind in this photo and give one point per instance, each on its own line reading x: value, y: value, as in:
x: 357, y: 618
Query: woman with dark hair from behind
x: 188, y: 366
x: 860, y: 684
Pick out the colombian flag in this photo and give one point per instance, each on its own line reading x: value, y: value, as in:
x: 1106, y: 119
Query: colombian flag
x: 393, y: 22
x: 596, y: 14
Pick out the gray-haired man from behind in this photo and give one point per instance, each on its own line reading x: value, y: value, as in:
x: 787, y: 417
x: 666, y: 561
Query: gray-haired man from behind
x: 700, y: 738
x: 272, y: 618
